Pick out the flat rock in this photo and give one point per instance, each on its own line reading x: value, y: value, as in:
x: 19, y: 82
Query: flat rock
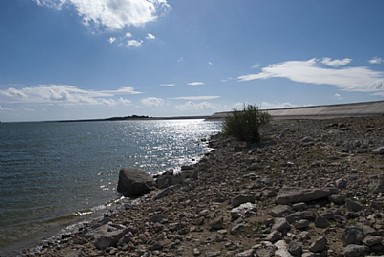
x: 353, y: 205
x: 303, y: 195
x: 353, y: 250
x: 281, y: 210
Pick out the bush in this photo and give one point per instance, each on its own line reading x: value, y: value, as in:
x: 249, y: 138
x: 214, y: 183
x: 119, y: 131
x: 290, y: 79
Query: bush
x: 244, y: 124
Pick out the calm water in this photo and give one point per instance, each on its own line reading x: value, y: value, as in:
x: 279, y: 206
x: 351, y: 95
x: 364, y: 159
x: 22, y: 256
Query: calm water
x: 53, y: 172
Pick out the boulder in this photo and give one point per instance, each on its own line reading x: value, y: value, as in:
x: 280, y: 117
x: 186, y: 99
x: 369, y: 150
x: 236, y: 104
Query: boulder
x: 303, y: 195
x: 133, y: 183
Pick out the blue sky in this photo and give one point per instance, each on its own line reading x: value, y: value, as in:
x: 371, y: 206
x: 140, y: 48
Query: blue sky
x: 76, y: 59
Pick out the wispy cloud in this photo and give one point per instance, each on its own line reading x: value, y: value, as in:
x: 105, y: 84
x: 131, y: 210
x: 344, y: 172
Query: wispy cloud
x: 376, y: 60
x: 153, y: 102
x: 196, y: 84
x: 113, y: 15
x: 312, y: 72
x: 65, y: 95
x: 196, y: 98
x: 192, y: 106
x: 266, y: 105
x: 167, y: 85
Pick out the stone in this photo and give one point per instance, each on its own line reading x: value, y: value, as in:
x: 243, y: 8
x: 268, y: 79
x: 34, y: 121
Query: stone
x: 372, y: 240
x: 303, y: 195
x: 212, y: 254
x: 240, y: 199
x: 341, y: 183
x: 168, y: 179
x: 321, y: 222
x: 163, y: 193
x: 354, y: 206
x: 217, y: 223
x: 353, y: 250
x: 281, y: 210
x: 281, y: 225
x: 302, y: 224
x: 243, y: 210
x: 265, y: 249
x: 274, y: 236
x: 299, y: 206
x: 282, y: 249
x: 379, y: 150
x: 247, y: 253
x: 319, y: 245
x: 337, y: 199
x: 295, y: 248
x: 107, y: 236
x: 133, y: 183
x: 352, y: 235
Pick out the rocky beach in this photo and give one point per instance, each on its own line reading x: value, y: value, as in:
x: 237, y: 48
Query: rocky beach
x: 309, y: 188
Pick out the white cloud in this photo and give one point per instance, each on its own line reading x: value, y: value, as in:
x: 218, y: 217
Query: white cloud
x: 196, y: 84
x: 128, y: 35
x: 376, y: 60
x: 150, y: 36
x: 328, y: 61
x: 113, y: 14
x: 311, y: 72
x: 196, y: 98
x: 188, y: 106
x: 111, y: 40
x: 65, y: 95
x: 152, y: 102
x: 134, y: 43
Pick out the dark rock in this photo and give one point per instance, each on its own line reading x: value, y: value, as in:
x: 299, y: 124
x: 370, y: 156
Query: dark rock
x: 240, y: 199
x: 134, y: 183
x: 168, y: 179
x: 321, y: 222
x: 163, y: 193
x: 341, y: 183
x: 302, y: 224
x: 295, y: 248
x: 354, y: 206
x: 319, y: 245
x: 353, y: 250
x: 299, y: 206
x: 217, y: 223
x: 379, y: 150
x: 352, y: 235
x: 281, y: 225
x: 274, y: 236
x: 337, y: 199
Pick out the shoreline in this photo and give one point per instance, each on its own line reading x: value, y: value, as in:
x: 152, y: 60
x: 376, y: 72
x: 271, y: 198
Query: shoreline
x: 198, y: 217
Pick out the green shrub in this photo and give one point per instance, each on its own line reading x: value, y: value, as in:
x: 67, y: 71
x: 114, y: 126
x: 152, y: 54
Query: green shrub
x: 244, y: 124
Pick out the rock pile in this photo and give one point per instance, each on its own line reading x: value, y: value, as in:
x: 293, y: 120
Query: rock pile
x: 310, y: 188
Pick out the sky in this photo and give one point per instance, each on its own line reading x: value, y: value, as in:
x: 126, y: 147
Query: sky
x: 85, y: 59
